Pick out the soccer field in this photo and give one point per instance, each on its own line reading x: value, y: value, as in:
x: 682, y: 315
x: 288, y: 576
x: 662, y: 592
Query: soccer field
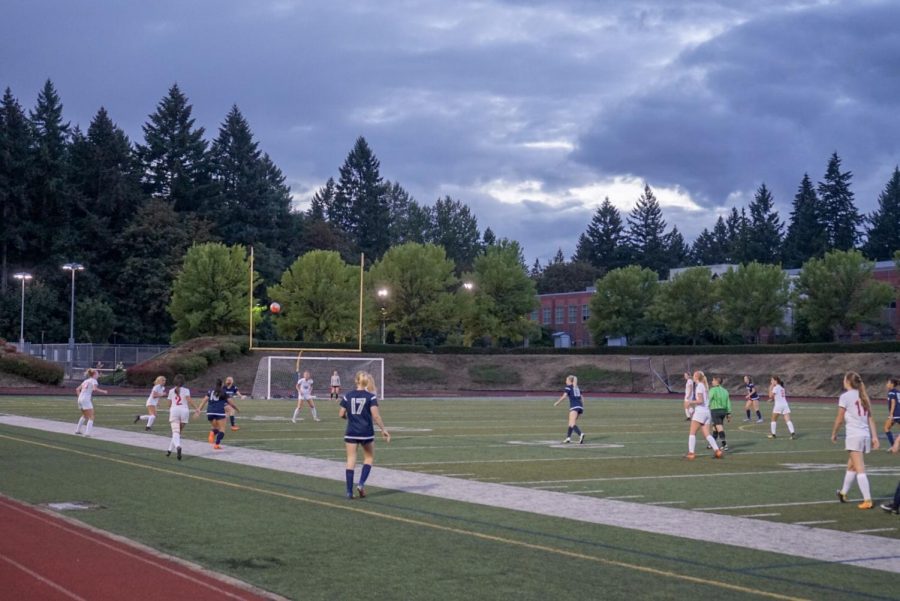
x: 297, y: 535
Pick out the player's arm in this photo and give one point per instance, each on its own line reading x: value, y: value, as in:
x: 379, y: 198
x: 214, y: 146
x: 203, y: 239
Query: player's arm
x: 560, y: 399
x: 202, y: 404
x: 101, y: 391
x: 874, y: 432
x: 837, y: 423
x: 78, y: 388
x: 190, y: 401
x: 235, y: 407
x: 376, y: 417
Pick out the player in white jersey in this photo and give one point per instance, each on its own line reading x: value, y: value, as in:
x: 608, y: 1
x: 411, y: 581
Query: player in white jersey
x: 781, y: 407
x: 860, y: 435
x: 180, y: 403
x: 688, y: 396
x: 158, y: 392
x: 701, y: 417
x: 335, y: 387
x: 85, y: 392
x: 304, y: 393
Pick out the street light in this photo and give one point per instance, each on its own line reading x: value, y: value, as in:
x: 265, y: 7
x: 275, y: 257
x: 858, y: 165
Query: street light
x: 22, y: 277
x: 73, y: 267
x: 382, y: 295
x: 469, y: 286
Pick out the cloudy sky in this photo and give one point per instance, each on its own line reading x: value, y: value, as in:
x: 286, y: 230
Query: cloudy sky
x: 529, y: 111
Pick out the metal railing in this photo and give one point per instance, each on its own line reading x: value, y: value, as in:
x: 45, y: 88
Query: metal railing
x: 105, y: 357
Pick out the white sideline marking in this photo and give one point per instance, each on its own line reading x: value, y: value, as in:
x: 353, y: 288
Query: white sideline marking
x: 814, y: 522
x: 759, y: 515
x: 874, y: 530
x: 627, y: 497
x: 667, y: 503
x: 585, y: 492
x: 550, y: 487
x: 456, y: 475
x: 862, y: 550
x: 764, y: 505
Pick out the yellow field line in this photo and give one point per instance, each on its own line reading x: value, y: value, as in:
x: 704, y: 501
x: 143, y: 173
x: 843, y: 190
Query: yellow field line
x: 414, y: 522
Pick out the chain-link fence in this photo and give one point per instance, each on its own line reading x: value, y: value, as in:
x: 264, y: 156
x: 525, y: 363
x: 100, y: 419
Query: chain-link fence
x: 105, y: 357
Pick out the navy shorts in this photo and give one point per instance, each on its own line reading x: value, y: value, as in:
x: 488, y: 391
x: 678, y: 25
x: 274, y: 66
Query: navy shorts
x: 211, y: 417
x: 895, y: 419
x: 577, y: 410
x: 360, y: 441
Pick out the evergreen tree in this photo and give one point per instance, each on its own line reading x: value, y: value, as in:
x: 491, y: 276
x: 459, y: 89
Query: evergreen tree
x: 603, y: 245
x: 488, y: 238
x: 806, y: 234
x: 251, y: 202
x: 360, y: 205
x: 173, y: 156
x: 841, y: 218
x: 558, y: 258
x: 764, y: 242
x: 704, y: 251
x: 677, y: 249
x: 15, y: 144
x: 740, y: 236
x: 646, y: 233
x: 722, y: 241
x: 883, y: 235
x: 409, y: 221
x: 536, y: 270
x: 321, y: 200
x: 49, y: 196
x: 454, y: 227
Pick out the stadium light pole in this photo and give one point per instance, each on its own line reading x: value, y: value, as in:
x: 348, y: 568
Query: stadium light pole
x: 469, y: 286
x: 73, y: 267
x: 382, y: 296
x: 22, y: 277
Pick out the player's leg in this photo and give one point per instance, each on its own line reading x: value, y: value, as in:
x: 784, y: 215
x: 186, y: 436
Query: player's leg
x: 81, y: 421
x: 774, y: 424
x: 229, y: 411
x: 219, y: 425
x: 862, y: 480
x: 175, y: 442
x: 849, y: 477
x: 312, y: 409
x: 747, y: 407
x: 351, y: 465
x: 712, y: 441
x: 297, y: 410
x: 692, y: 439
x: 368, y: 461
x: 888, y: 424
x: 89, y: 426
x: 575, y: 428
x: 786, y: 416
x: 759, y: 417
x: 571, y: 425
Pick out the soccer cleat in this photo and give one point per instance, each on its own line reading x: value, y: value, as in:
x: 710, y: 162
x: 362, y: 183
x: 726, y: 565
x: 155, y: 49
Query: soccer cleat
x: 211, y: 438
x: 581, y: 438
x: 349, y: 496
x: 687, y: 419
x: 294, y: 421
x: 865, y: 504
x: 718, y: 454
x: 690, y: 456
x: 235, y: 428
x: 316, y: 419
x: 708, y: 447
x: 842, y: 496
x: 168, y: 453
x: 760, y: 420
x: 77, y: 432
x: 772, y: 436
x: 793, y: 436
x: 148, y: 429
x: 137, y: 418
x: 889, y: 508
x: 178, y: 453
x: 217, y: 447
x: 567, y: 441
x: 361, y: 491
x: 724, y: 447
x: 746, y: 419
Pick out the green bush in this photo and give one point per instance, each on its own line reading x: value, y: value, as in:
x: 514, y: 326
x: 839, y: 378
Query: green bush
x: 212, y: 355
x: 31, y: 368
x: 593, y: 376
x: 409, y: 374
x: 231, y: 351
x: 884, y: 346
x: 190, y: 359
x: 495, y: 375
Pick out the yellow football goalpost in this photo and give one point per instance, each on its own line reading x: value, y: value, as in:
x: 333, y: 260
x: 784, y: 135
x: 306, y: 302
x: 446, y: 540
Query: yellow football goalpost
x: 358, y: 349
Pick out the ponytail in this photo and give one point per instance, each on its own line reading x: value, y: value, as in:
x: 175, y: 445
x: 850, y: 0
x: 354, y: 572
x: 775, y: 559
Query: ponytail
x: 220, y: 394
x: 856, y: 382
x: 179, y: 382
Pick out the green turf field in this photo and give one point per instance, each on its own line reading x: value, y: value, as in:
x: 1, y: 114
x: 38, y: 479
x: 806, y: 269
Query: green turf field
x: 298, y: 537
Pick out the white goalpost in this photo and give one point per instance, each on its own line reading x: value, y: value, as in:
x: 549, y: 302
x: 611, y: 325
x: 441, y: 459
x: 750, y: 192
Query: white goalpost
x: 276, y: 377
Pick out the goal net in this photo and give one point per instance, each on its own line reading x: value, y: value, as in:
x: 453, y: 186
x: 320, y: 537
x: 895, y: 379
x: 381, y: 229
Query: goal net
x: 645, y: 377
x: 276, y: 377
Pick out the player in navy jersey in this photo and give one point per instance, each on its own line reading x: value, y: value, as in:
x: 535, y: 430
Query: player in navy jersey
x: 360, y: 408
x: 231, y: 391
x: 893, y: 398
x: 752, y: 397
x: 216, y: 400
x: 576, y: 408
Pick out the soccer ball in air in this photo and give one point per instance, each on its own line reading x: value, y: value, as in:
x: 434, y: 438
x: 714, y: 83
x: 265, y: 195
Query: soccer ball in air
x: 275, y: 308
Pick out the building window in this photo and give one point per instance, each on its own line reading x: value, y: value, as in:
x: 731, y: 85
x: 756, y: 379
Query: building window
x: 585, y: 312
x: 573, y: 314
x: 559, y: 315
x: 534, y: 315
x: 546, y: 315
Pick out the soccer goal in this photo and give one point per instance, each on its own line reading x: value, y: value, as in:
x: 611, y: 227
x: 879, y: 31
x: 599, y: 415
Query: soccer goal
x: 276, y: 377
x: 646, y: 378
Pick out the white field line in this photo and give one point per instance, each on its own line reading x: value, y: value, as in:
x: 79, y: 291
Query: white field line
x: 456, y: 475
x: 814, y: 522
x: 551, y: 487
x: 873, y: 530
x: 666, y: 503
x: 759, y: 515
x: 586, y: 492
x: 787, y: 540
x: 626, y: 497
x: 765, y: 505
x: 666, y: 477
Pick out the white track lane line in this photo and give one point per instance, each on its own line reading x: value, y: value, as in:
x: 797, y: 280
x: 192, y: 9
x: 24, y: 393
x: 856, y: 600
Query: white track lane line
x: 57, y: 587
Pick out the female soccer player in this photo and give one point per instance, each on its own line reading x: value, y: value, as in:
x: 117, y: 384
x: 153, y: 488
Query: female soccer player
x: 158, y: 392
x: 777, y: 394
x: 893, y: 396
x: 688, y: 396
x: 216, y: 401
x: 231, y: 391
x: 855, y: 411
x: 576, y: 408
x: 720, y: 410
x: 335, y: 386
x: 85, y: 392
x: 304, y: 393
x: 701, y: 417
x: 752, y: 400
x: 360, y: 408
x: 179, y: 413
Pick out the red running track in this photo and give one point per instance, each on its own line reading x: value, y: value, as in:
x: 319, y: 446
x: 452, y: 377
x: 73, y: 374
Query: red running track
x: 47, y: 558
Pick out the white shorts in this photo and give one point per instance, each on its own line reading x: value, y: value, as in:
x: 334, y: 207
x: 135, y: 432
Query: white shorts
x: 781, y: 407
x: 701, y: 414
x: 179, y: 414
x: 305, y: 396
x: 85, y: 404
x: 863, y: 444
x: 152, y: 402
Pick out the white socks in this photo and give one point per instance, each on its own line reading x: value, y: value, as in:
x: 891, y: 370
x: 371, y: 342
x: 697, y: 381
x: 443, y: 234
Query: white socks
x: 176, y: 435
x: 848, y: 481
x: 89, y: 428
x: 712, y: 442
x: 773, y: 427
x: 790, y: 426
x: 150, y: 420
x: 296, y: 413
x: 687, y: 412
x: 863, y: 481
x: 692, y: 443
x: 80, y: 423
x: 315, y: 413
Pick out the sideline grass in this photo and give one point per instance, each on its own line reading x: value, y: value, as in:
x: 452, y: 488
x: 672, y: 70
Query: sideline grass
x: 297, y: 537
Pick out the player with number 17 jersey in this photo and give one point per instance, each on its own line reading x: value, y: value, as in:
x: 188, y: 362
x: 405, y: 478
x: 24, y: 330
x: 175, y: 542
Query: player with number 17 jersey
x: 358, y: 405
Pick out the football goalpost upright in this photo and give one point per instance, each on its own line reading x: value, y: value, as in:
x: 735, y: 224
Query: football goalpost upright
x: 276, y: 376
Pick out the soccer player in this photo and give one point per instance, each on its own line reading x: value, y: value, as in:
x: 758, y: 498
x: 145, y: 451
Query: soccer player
x: 893, y: 397
x: 216, y: 401
x: 777, y: 394
x: 158, y: 392
x: 85, y: 392
x: 335, y: 386
x: 720, y: 410
x: 860, y: 436
x: 701, y: 417
x: 231, y: 391
x: 752, y: 400
x: 304, y: 393
x: 576, y: 408
x: 689, y: 396
x: 180, y: 403
x: 360, y: 408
